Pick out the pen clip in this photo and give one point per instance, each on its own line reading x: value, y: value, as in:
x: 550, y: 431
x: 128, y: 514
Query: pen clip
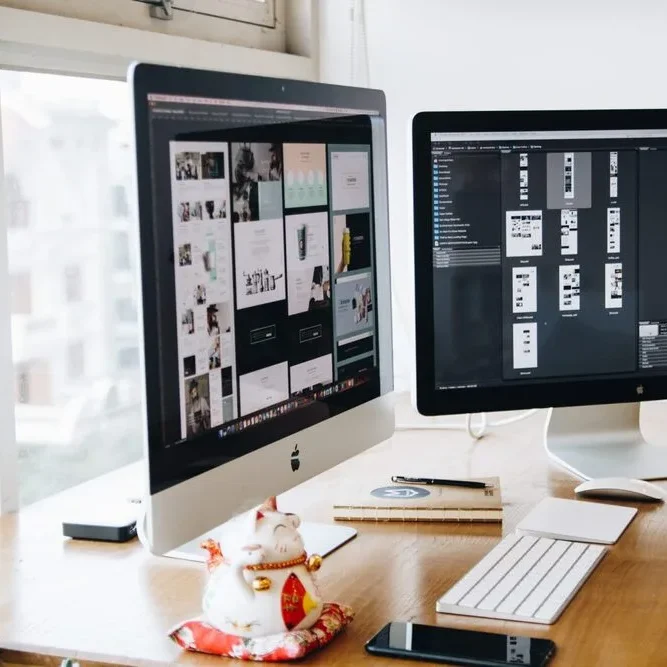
x: 399, y: 479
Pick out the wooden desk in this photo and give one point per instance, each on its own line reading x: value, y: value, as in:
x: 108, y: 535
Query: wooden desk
x: 114, y: 604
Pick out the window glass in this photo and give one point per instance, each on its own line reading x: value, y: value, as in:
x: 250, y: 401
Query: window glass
x: 126, y: 310
x: 17, y: 205
x: 128, y: 357
x: 119, y: 203
x: 73, y: 284
x: 121, y: 251
x: 19, y: 293
x: 258, y: 12
x: 76, y: 360
x: 67, y: 171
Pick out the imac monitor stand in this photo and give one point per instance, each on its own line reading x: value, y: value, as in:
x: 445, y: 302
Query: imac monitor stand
x: 600, y: 441
x: 540, y: 274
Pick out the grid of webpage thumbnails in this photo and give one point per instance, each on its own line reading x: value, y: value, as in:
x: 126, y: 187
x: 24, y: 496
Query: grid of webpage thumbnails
x: 274, y: 277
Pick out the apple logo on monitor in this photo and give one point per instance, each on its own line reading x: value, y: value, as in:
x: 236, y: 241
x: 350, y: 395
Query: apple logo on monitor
x: 294, y: 459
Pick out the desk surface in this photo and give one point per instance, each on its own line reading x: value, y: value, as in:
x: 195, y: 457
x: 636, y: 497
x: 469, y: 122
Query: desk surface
x: 115, y: 603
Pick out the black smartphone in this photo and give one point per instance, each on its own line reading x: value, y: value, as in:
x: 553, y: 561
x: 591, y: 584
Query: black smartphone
x: 459, y: 647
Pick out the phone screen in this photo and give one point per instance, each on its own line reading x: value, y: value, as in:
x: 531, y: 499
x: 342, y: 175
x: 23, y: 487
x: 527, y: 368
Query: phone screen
x: 463, y: 647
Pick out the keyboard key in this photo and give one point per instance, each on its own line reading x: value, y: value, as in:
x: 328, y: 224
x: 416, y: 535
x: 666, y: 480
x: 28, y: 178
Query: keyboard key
x: 512, y: 579
x: 568, y: 586
x: 510, y: 604
x: 487, y: 583
x: 459, y: 589
x: 551, y: 580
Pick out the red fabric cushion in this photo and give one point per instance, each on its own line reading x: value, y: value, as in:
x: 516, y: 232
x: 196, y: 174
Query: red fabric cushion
x: 200, y: 637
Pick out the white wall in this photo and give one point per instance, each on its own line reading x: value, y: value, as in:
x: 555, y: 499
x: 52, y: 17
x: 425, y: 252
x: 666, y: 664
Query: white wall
x: 484, y: 54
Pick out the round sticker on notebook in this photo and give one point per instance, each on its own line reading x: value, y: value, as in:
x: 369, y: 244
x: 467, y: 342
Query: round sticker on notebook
x: 400, y: 492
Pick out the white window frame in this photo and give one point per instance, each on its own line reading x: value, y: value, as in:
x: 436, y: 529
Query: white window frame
x: 259, y: 24
x: 8, y: 447
x: 43, y: 42
x: 256, y: 12
x: 47, y: 42
x: 265, y: 13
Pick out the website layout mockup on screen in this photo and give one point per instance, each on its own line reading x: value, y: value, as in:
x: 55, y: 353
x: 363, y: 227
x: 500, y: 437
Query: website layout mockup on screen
x: 271, y: 212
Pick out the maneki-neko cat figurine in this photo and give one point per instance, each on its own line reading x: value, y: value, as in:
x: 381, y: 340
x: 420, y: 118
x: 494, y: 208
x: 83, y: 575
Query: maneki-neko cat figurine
x: 262, y: 584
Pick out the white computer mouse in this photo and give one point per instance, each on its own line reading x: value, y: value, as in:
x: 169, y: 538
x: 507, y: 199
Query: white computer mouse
x: 621, y: 488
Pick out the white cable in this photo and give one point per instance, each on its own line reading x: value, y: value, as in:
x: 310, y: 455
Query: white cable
x: 475, y: 433
x: 481, y: 431
x: 516, y: 418
x: 430, y: 427
x: 142, y: 519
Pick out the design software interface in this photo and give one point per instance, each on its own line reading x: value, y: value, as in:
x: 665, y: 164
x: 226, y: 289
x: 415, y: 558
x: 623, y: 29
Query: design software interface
x: 270, y: 295
x: 548, y: 255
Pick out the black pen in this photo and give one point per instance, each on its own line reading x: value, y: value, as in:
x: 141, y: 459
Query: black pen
x: 439, y: 482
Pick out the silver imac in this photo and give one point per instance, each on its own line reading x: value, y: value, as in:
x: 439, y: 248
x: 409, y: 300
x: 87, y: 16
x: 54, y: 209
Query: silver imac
x: 265, y: 282
x: 539, y: 241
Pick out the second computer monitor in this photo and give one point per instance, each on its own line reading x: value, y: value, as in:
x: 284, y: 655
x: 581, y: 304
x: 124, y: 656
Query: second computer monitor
x: 540, y: 259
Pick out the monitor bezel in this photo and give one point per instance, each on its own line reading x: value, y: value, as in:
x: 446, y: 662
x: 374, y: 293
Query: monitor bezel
x: 559, y: 392
x: 147, y: 78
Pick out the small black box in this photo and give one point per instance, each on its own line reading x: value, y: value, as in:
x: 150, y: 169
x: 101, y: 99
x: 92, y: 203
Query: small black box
x: 107, y: 524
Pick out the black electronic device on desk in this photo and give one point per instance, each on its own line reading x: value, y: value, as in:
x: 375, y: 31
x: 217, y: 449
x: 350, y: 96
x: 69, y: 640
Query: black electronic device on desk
x: 459, y: 647
x: 102, y: 522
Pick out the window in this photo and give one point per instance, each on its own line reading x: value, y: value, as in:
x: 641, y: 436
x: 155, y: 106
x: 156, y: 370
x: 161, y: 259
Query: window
x: 22, y: 388
x: 119, y: 204
x: 258, y: 12
x: 128, y: 357
x: 20, y: 294
x: 73, y: 286
x: 33, y: 382
x: 126, y: 310
x: 77, y: 400
x: 253, y: 23
x: 75, y: 360
x: 17, y: 206
x: 121, y: 251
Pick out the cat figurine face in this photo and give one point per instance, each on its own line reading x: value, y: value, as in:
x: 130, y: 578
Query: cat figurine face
x: 261, y: 582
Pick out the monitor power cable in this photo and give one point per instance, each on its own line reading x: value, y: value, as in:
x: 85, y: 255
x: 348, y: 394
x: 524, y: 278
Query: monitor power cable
x: 142, y: 527
x: 475, y: 431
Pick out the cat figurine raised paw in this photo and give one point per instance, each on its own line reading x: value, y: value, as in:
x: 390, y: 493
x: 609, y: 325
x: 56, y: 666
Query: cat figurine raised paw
x: 261, y: 582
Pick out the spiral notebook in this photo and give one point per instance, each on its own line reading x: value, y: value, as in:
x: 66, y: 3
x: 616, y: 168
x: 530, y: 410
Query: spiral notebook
x: 413, y: 502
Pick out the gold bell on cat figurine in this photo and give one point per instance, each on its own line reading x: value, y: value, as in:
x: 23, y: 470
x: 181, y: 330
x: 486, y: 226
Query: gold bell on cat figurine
x: 314, y: 563
x: 261, y: 584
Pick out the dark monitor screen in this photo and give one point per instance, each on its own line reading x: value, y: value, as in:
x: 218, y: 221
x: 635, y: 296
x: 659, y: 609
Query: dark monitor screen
x: 547, y: 264
x: 259, y: 273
